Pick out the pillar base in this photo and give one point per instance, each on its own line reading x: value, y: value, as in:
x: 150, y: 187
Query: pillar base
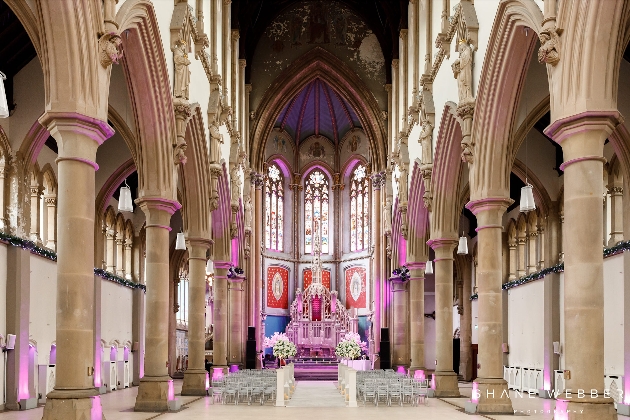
x: 73, y: 405
x: 587, y: 409
x: 194, y: 383
x: 446, y: 384
x: 494, y: 396
x: 153, y: 394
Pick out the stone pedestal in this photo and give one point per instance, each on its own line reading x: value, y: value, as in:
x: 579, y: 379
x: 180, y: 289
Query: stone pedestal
x: 154, y: 394
x: 220, y: 314
x: 78, y: 137
x: 194, y: 381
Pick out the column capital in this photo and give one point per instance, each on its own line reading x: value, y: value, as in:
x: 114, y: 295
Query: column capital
x: 158, y: 210
x: 605, y: 121
x: 197, y: 247
x: 438, y: 243
x: 489, y: 203
x: 71, y: 130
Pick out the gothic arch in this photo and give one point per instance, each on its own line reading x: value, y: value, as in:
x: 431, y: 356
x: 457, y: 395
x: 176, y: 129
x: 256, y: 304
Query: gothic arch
x: 283, y: 163
x: 149, y: 89
x: 221, y: 220
x: 195, y: 188
x: 417, y: 218
x: 115, y: 179
x: 541, y: 196
x: 319, y: 63
x: 446, y: 174
x: 49, y: 179
x: 501, y: 82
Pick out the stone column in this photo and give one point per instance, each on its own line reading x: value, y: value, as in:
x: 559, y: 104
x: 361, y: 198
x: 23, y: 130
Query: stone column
x: 521, y: 239
x: 155, y: 386
x: 582, y: 139
x: 235, y: 331
x: 78, y: 138
x: 195, y: 375
x: 110, y: 264
x: 51, y: 209
x: 616, y: 215
x: 377, y: 182
x: 120, y: 257
x: 445, y: 378
x: 128, y: 257
x: 512, y: 265
x: 138, y: 317
x: 35, y: 209
x: 541, y: 244
x: 532, y: 242
x: 465, y: 329
x: 492, y: 388
x: 220, y: 313
x: 257, y: 262
x: 3, y: 190
x: 416, y: 314
x: 399, y: 348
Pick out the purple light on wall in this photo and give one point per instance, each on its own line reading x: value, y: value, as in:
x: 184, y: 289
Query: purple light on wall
x: 171, y: 390
x: 113, y: 353
x: 561, y: 410
x: 23, y: 392
x: 96, y: 413
x: 235, y: 252
x: 233, y: 368
x: 475, y: 393
x: 419, y: 375
x: 53, y: 354
x: 207, y: 381
x: 98, y: 380
x: 547, y: 380
x: 126, y: 354
x: 402, y: 251
x: 401, y: 370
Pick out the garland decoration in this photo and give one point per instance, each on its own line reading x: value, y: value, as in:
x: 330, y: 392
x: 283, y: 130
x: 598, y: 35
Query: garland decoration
x: 52, y: 255
x: 401, y: 272
x: 234, y: 272
x: 558, y: 268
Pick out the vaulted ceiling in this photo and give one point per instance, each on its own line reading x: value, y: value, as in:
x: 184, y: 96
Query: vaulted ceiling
x: 317, y: 110
x: 384, y: 17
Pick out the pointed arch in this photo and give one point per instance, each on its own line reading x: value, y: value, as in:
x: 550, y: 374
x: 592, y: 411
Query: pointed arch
x: 319, y: 63
x: 195, y: 188
x: 417, y: 218
x: 541, y: 196
x: 149, y: 89
x: 446, y: 174
x: 110, y: 218
x: 503, y: 73
x: 49, y: 179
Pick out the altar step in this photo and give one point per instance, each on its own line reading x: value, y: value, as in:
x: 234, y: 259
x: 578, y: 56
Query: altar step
x: 315, y: 371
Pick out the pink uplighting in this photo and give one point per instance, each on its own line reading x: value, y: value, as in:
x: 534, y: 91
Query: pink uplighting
x: 207, y: 381
x: 235, y: 252
x: 402, y: 251
x: 419, y: 375
x: 24, y: 393
x: 97, y: 410
x: 561, y: 410
x: 98, y: 380
x: 217, y: 373
x: 433, y: 382
x: 401, y: 370
x: 233, y: 368
x: 171, y: 390
x: 475, y: 393
x: 126, y: 354
x: 53, y: 354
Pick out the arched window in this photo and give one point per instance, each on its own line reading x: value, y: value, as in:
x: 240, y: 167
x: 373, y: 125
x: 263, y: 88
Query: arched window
x: 359, y: 205
x: 274, y: 202
x: 316, y: 209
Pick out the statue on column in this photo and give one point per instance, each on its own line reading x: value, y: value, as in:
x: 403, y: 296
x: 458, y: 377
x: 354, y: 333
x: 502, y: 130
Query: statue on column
x: 182, y: 73
x: 235, y: 184
x: 462, y: 69
x: 388, y: 215
x: 248, y: 213
x: 215, y: 143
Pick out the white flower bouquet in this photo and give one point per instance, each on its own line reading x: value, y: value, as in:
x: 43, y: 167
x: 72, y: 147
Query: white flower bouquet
x: 348, y: 349
x: 283, y: 348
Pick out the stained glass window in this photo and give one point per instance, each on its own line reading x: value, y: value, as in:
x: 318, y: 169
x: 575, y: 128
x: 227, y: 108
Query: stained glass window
x: 359, y: 206
x: 274, y: 205
x: 316, y: 209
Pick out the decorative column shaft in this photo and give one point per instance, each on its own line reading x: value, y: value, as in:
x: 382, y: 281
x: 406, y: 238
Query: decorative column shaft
x: 616, y: 215
x: 445, y: 378
x: 375, y: 304
x: 532, y: 242
x: 220, y: 314
x: 195, y: 375
x: 416, y: 314
x: 78, y: 138
x: 153, y: 393
x: 235, y: 331
x: 120, y: 255
x: 111, y: 247
x: 493, y: 396
x: 582, y: 139
x: 3, y: 189
x: 128, y: 258
x: 257, y: 262
x: 35, y: 209
x: 51, y: 208
x: 400, y: 355
x: 522, y: 262
x: 512, y: 267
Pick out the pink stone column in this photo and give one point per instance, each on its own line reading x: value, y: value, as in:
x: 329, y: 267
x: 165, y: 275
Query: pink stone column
x: 416, y: 315
x: 492, y: 388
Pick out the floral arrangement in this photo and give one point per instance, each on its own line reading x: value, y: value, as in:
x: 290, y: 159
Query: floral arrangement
x: 234, y: 272
x: 402, y: 272
x: 350, y: 347
x: 269, y: 342
x: 282, y: 347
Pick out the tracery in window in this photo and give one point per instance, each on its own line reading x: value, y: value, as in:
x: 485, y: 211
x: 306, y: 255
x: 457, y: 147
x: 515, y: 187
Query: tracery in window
x: 359, y: 205
x: 316, y: 194
x: 274, y: 204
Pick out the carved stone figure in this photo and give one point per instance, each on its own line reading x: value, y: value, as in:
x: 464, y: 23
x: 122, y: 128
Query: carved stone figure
x: 403, y: 187
x: 354, y: 142
x: 110, y: 45
x: 548, y: 51
x: 388, y: 215
x: 182, y: 74
x: 215, y: 143
x: 235, y: 184
x: 426, y: 139
x: 179, y: 155
x: 462, y: 69
x: 248, y: 213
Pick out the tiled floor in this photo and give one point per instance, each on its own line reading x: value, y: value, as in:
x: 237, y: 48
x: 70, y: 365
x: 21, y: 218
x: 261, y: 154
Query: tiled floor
x: 119, y: 406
